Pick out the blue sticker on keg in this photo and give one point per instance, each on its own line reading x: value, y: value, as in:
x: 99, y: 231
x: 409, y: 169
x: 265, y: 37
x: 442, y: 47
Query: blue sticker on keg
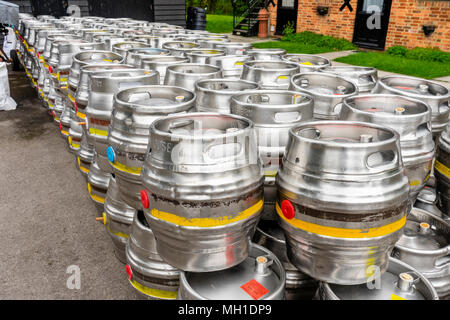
x: 110, y: 154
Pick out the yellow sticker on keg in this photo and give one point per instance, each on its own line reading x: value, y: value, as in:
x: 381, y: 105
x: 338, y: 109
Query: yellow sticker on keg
x: 107, y: 60
x: 270, y: 173
x: 343, y: 232
x: 207, y: 222
x: 64, y: 132
x: 81, y: 167
x: 307, y: 63
x: 156, y: 293
x: 71, y: 98
x: 442, y: 169
x: 282, y: 77
x: 415, y: 183
x: 98, y: 132
x: 239, y: 63
x: 396, y: 297
x: 95, y: 197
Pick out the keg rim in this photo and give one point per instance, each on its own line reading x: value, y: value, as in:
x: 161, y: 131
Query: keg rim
x: 360, y: 70
x: 107, y: 54
x: 214, y: 69
x: 295, y: 86
x: 199, y: 87
x: 235, y: 98
x: 382, y: 82
x: 327, y: 61
x: 347, y: 103
x: 161, y: 133
x: 251, y: 65
x: 118, y: 96
x: 293, y: 133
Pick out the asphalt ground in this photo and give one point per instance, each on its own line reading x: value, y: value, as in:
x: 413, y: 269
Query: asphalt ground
x: 47, y: 217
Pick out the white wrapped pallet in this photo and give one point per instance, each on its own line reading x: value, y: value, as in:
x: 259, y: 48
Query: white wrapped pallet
x: 6, y: 102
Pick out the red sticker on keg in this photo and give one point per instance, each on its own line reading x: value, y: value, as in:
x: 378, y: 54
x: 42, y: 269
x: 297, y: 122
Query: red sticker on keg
x: 254, y: 289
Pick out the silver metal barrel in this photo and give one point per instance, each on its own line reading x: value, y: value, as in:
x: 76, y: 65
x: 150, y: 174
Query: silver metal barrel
x: 56, y: 37
x: 202, y: 55
x: 123, y: 47
x: 427, y: 200
x: 160, y: 64
x: 233, y: 48
x: 265, y: 54
x: 365, y: 78
x: 411, y: 118
x: 342, y: 199
x: 214, y: 95
x: 147, y: 272
x: 328, y: 91
x: 210, y: 42
x: 85, y: 155
x: 103, y: 87
x: 399, y: 282
x: 442, y: 171
x: 134, y: 111
x: 88, y: 57
x: 203, y: 189
x: 185, y: 75
x: 118, y: 219
x: 260, y: 276
x: 307, y: 62
x: 135, y: 56
x: 435, y: 95
x: 232, y: 66
x: 273, y: 112
x: 425, y: 245
x: 149, y: 39
x: 299, y: 286
x: 64, y: 122
x: 270, y: 74
x: 179, y: 48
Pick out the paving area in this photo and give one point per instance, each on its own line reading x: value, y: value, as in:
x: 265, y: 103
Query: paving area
x: 48, y: 219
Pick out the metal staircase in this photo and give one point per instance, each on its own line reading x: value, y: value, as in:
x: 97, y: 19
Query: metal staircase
x: 245, y: 17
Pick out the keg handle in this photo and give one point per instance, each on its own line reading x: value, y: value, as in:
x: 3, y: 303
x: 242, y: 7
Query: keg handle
x: 86, y: 48
x: 264, y: 98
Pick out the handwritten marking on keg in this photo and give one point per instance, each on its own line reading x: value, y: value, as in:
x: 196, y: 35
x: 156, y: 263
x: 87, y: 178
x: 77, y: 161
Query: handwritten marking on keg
x: 207, y: 222
x: 341, y: 232
x: 254, y: 289
x: 442, y: 169
x: 161, y: 294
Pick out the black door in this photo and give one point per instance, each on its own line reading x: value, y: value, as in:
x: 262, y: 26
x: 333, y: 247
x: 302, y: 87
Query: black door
x: 371, y: 23
x: 286, y: 12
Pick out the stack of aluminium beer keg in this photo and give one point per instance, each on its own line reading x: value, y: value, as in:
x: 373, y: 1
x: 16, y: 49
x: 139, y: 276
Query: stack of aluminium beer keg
x: 222, y: 171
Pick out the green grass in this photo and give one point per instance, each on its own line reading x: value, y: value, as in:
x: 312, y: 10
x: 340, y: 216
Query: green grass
x: 308, y: 42
x: 219, y: 23
x: 293, y: 47
x: 386, y: 62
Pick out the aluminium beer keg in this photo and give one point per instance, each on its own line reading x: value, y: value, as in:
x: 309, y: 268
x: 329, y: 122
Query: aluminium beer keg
x: 270, y: 74
x: 269, y: 54
x: 411, y: 118
x: 202, y: 189
x: 342, y: 199
x: 307, y: 62
x: 160, y: 64
x: 232, y: 66
x: 135, y: 109
x: 365, y: 78
x: 186, y: 74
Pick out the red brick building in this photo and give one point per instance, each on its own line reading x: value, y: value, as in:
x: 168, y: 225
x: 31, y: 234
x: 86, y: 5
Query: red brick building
x: 376, y: 24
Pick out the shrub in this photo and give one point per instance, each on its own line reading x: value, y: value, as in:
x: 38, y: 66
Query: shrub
x: 421, y: 54
x: 319, y: 40
x: 288, y: 28
x: 397, y: 51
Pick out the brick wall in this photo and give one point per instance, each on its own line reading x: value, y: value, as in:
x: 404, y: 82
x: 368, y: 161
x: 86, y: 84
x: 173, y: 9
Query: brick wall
x: 405, y: 23
x: 407, y: 18
x: 273, y: 18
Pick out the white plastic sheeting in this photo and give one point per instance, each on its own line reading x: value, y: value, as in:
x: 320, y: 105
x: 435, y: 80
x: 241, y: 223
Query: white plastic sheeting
x: 10, y: 42
x: 9, y: 13
x: 6, y: 102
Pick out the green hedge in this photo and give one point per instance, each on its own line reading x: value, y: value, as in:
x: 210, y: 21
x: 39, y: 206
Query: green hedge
x: 422, y: 54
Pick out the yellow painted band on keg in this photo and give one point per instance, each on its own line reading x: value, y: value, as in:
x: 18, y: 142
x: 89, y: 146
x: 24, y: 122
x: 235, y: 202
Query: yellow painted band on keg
x: 118, y: 234
x: 95, y: 197
x: 343, y: 232
x: 270, y: 173
x: 61, y: 78
x: 160, y: 294
x: 81, y: 115
x: 396, y: 297
x: 121, y: 167
x: 98, y: 132
x: 64, y: 132
x: 73, y: 144
x: 207, y: 222
x: 45, y: 65
x: 71, y: 98
x: 81, y: 167
x: 442, y: 169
